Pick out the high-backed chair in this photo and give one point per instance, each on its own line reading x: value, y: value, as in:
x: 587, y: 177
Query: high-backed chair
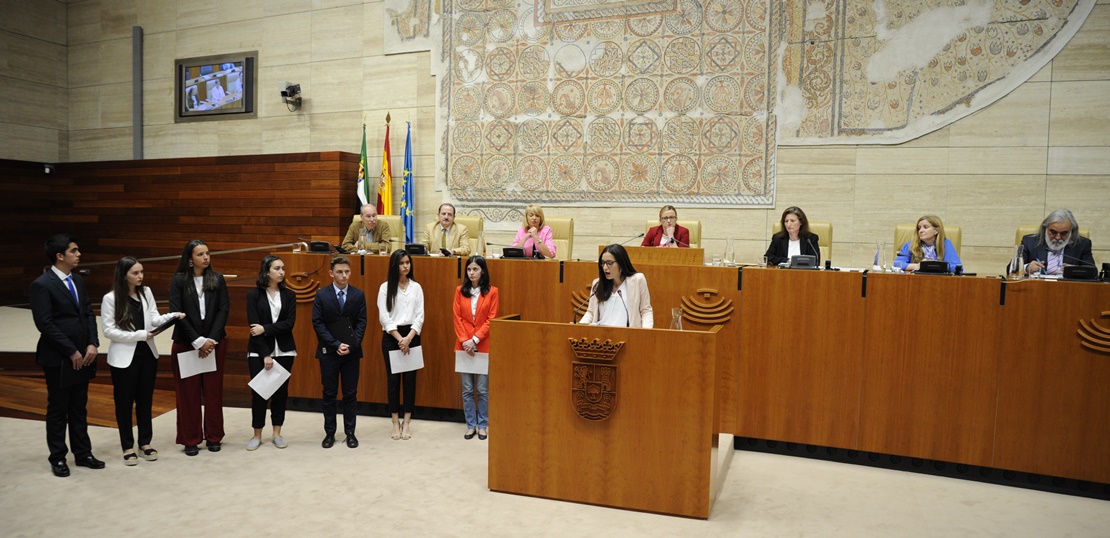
x: 693, y: 225
x: 562, y: 231
x: 905, y: 232
x: 1026, y: 229
x: 824, y: 231
x: 475, y: 226
x: 396, y: 229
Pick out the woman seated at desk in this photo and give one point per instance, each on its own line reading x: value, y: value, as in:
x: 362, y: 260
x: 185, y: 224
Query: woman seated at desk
x: 533, y: 235
x: 928, y: 244
x: 619, y: 295
x: 794, y: 239
x: 668, y: 233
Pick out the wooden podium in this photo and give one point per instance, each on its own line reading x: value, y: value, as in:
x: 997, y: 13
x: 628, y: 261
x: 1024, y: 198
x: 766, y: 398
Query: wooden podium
x: 609, y: 416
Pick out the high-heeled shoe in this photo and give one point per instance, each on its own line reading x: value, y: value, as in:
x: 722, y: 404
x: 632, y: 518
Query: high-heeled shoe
x: 405, y: 433
x: 396, y: 430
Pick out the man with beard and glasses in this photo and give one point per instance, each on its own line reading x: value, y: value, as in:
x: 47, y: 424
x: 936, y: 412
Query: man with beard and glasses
x: 1057, y: 243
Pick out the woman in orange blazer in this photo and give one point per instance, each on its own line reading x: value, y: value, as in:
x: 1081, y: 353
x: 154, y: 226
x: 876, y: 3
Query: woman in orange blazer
x: 476, y: 305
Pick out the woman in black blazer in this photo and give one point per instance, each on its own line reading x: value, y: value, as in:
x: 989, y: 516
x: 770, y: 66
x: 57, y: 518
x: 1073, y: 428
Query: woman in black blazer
x: 271, y: 313
x: 794, y: 239
x: 201, y: 294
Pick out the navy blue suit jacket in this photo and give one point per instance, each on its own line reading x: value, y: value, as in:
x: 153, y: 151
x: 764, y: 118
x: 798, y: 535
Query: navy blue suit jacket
x: 325, y: 310
x: 1078, y: 253
x: 64, y: 326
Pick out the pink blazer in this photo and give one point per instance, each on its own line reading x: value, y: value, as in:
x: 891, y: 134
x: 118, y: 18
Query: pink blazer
x: 544, y: 234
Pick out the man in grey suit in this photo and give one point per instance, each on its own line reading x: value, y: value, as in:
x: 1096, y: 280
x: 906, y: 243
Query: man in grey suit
x: 66, y: 351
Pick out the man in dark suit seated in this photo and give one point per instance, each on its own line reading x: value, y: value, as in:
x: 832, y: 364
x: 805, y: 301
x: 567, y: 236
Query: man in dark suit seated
x: 339, y: 318
x: 1057, y: 243
x: 66, y: 351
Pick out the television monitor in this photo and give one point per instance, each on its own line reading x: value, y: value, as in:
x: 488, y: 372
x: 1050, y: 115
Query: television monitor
x: 216, y: 87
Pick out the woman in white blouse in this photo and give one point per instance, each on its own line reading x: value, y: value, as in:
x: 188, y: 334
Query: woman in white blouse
x: 271, y: 314
x: 130, y: 323
x: 401, y: 313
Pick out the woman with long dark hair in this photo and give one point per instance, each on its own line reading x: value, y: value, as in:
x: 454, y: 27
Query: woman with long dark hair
x: 401, y: 313
x: 794, y: 239
x: 619, y: 295
x: 129, y: 317
x: 201, y: 294
x: 476, y: 304
x: 271, y: 314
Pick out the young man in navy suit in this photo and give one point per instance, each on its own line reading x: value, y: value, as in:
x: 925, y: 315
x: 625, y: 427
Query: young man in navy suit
x: 339, y: 318
x: 66, y: 351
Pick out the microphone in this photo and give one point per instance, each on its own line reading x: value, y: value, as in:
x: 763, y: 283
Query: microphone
x: 621, y: 295
x: 679, y: 241
x: 1080, y: 261
x: 83, y: 272
x: 816, y: 251
x: 626, y: 241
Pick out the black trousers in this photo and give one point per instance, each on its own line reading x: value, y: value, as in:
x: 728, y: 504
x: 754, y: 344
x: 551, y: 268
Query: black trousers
x: 277, y: 401
x: 134, y: 386
x: 408, y: 379
x: 65, y: 408
x: 331, y: 370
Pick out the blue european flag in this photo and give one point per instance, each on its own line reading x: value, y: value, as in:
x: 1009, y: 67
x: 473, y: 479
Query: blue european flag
x: 408, y: 197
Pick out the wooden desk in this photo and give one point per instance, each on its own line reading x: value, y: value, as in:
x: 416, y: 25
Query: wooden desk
x: 662, y: 256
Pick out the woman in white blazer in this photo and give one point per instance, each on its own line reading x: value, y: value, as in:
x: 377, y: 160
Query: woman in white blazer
x: 132, y: 355
x: 619, y: 296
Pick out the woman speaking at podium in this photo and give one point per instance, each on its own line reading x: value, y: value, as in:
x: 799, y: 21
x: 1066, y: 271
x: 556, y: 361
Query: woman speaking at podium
x: 619, y: 296
x: 475, y: 305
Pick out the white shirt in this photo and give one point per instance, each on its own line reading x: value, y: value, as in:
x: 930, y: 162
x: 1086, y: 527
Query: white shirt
x: 794, y: 249
x: 198, y: 282
x: 408, y: 307
x: 614, y: 312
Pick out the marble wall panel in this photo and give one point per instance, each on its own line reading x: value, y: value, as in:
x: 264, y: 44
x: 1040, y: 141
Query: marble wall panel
x: 991, y: 160
x: 103, y: 62
x: 269, y: 89
x: 1082, y: 161
x: 1019, y: 119
x: 336, y: 131
x: 28, y: 103
x: 100, y: 145
x: 157, y: 16
x: 40, y: 20
x: 337, y: 86
x: 823, y: 197
x: 940, y: 138
x: 287, y: 39
x: 794, y: 160
x: 392, y: 81
x: 31, y: 59
x: 1087, y: 197
x: 285, y: 134
x: 899, y: 160
x: 884, y: 201
x: 30, y: 143
x: 1087, y: 56
x: 84, y: 22
x: 1079, y: 113
x: 1016, y: 200
x: 159, y: 53
x: 219, y: 39
x: 336, y: 33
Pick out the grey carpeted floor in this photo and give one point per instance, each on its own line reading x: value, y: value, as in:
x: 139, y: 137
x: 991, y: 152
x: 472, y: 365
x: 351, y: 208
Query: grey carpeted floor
x: 435, y: 485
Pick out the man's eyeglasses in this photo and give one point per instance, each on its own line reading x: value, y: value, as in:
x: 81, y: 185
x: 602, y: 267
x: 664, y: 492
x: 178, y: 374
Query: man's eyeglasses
x: 670, y: 218
x: 1061, y: 235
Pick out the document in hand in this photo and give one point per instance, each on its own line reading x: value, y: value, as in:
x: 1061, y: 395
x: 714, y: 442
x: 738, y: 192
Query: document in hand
x: 341, y: 330
x: 190, y: 363
x: 478, y: 364
x: 266, y: 383
x: 399, y: 362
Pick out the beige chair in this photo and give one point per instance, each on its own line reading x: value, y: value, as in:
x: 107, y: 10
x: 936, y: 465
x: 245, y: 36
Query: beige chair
x: 475, y: 226
x: 396, y: 229
x: 693, y: 225
x: 1027, y: 229
x: 905, y: 232
x: 824, y: 231
x: 562, y: 231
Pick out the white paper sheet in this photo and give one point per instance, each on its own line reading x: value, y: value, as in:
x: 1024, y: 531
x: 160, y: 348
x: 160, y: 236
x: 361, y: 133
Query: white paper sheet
x: 399, y: 362
x: 190, y: 363
x: 478, y: 364
x: 266, y: 383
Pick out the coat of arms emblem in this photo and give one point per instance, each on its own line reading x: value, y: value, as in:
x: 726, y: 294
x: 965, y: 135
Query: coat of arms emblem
x: 594, y: 383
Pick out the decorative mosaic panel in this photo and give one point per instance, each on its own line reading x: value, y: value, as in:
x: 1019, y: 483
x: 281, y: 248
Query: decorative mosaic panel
x: 888, y: 71
x: 602, y: 103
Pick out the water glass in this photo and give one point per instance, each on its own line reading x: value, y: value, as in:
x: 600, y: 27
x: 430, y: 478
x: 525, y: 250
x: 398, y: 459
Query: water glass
x: 716, y: 260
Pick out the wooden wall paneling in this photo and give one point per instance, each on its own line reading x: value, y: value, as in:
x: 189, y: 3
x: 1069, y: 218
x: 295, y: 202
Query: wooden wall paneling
x: 800, y: 359
x: 1053, y: 401
x: 529, y: 288
x: 930, y: 370
x: 26, y: 194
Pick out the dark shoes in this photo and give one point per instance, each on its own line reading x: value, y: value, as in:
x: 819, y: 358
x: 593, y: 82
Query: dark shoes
x: 213, y: 446
x: 482, y: 434
x: 90, y: 462
x: 60, y: 469
x: 329, y: 441
x: 469, y: 434
x: 191, y: 450
x: 352, y: 441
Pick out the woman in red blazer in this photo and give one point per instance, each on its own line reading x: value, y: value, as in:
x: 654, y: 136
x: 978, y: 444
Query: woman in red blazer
x: 668, y: 233
x: 475, y: 306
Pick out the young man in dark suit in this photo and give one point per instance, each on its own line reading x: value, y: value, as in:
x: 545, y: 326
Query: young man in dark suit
x: 66, y: 351
x: 339, y: 318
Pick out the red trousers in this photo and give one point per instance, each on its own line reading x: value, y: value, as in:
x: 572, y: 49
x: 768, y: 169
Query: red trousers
x: 190, y: 392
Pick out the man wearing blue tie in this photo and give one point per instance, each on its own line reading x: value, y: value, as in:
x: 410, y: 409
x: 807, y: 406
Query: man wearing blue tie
x: 339, y: 318
x: 66, y: 351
